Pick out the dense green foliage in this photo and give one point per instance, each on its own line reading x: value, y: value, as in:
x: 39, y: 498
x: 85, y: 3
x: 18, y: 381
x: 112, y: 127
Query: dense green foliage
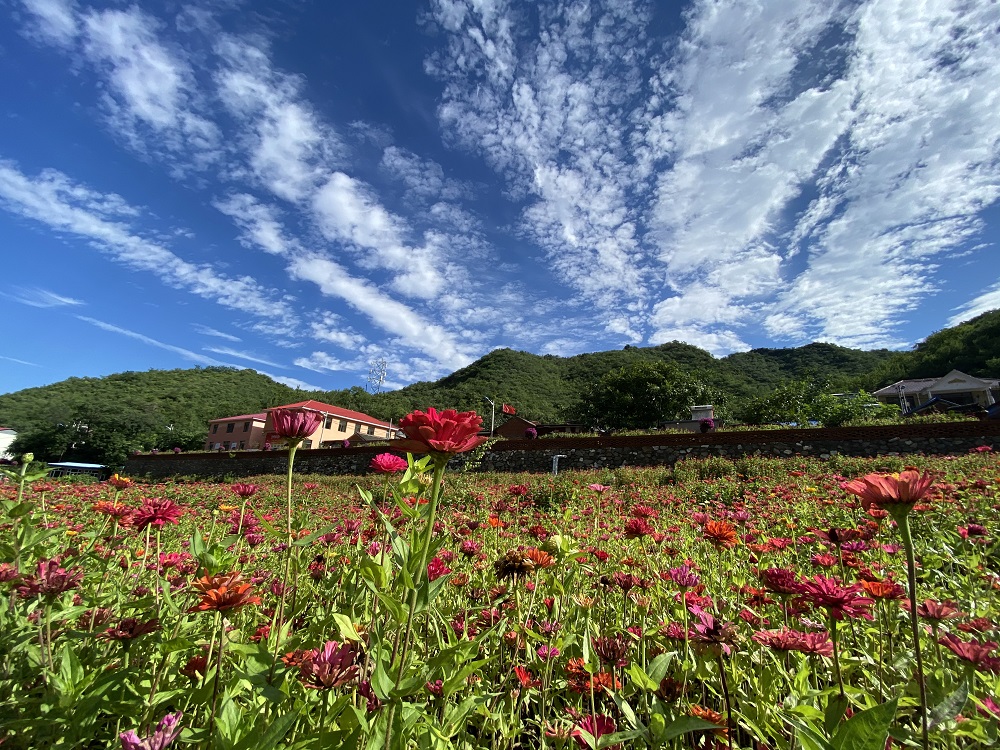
x: 641, y: 395
x: 103, y: 419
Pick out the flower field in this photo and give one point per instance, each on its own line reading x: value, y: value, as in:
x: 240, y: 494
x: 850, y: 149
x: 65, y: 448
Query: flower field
x: 750, y: 604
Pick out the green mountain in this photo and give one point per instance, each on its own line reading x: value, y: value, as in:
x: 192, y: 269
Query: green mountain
x: 103, y: 419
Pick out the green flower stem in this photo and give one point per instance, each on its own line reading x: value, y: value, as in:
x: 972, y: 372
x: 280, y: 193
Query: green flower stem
x: 440, y: 462
x: 836, y: 653
x: 902, y: 520
x: 279, y: 613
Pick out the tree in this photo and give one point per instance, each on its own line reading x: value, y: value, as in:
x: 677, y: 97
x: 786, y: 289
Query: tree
x: 640, y: 395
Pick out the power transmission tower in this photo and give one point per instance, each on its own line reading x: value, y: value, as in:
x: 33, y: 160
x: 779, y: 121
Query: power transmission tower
x: 376, y: 375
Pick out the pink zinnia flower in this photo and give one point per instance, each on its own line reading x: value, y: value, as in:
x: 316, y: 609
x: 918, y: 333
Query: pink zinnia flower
x: 387, y: 463
x: 166, y: 732
x: 333, y: 665
x: 890, y: 491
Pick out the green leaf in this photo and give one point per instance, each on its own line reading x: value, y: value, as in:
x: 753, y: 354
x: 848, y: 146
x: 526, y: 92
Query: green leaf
x: 835, y: 709
x: 658, y: 668
x: 950, y: 707
x: 685, y: 724
x: 346, y: 627
x: 866, y: 730
x: 274, y: 734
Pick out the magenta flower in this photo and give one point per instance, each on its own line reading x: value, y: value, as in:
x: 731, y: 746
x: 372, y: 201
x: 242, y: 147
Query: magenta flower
x: 244, y: 490
x: 595, y: 726
x: 156, y: 511
x: 388, y: 463
x: 50, y: 579
x: 166, y: 732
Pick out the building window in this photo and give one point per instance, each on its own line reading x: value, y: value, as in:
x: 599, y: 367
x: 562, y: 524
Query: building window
x: 342, y: 427
x: 307, y: 444
x: 246, y: 427
x: 215, y: 428
x: 242, y: 445
x: 371, y: 429
x: 328, y: 423
x: 216, y: 446
x: 230, y: 427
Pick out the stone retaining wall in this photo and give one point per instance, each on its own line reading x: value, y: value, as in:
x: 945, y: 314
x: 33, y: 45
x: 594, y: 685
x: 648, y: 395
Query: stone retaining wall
x: 605, y: 452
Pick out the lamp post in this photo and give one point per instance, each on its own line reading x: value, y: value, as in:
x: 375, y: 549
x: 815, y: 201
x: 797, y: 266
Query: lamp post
x: 493, y: 410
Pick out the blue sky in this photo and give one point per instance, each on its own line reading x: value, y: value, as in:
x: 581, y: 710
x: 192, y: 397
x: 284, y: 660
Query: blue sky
x: 304, y: 187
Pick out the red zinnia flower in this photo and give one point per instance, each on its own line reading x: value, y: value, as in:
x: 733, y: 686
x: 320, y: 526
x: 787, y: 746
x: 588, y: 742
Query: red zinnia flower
x: 295, y: 424
x: 972, y: 651
x: 130, y: 628
x: 442, y: 433
x: 794, y: 640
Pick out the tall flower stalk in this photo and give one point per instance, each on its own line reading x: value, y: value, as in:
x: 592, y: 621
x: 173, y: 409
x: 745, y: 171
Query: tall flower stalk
x: 293, y: 426
x: 898, y: 494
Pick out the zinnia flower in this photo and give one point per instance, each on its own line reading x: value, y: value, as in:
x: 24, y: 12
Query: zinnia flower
x: 387, y: 463
x: 794, y: 640
x: 595, y: 726
x: 155, y: 511
x: 119, y: 482
x: 721, y: 534
x: 244, y: 490
x: 331, y: 666
x: 166, y: 732
x: 835, y: 598
x: 893, y: 492
x: 220, y: 593
x: 50, y: 579
x: 295, y: 424
x: 441, y: 433
x: 129, y: 628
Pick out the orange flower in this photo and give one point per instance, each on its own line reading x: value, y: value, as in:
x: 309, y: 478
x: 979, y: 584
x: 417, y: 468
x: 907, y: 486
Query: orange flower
x: 224, y: 598
x: 540, y: 558
x: 712, y: 717
x: 721, y: 534
x: 883, y: 589
x: 207, y: 583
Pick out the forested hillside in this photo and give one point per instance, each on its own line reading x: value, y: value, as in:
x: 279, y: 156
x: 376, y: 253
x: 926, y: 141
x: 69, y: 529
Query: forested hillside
x: 102, y: 419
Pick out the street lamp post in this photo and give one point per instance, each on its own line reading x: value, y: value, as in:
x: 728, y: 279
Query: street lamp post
x: 493, y: 410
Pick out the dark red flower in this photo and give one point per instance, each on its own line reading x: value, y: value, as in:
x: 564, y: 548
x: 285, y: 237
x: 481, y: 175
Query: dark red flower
x: 974, y: 652
x: 155, y: 511
x: 295, y: 424
x: 794, y: 640
x: 244, y: 490
x: 838, y: 600
x: 446, y: 432
x: 130, y: 628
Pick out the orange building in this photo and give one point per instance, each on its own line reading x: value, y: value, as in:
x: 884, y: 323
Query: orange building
x: 245, y: 432
x: 337, y: 426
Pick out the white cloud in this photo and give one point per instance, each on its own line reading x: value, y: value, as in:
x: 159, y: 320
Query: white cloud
x: 54, y: 21
x: 180, y: 351
x: 248, y: 356
x: 152, y: 97
x: 290, y: 149
x: 292, y: 382
x: 406, y: 326
x: 983, y: 303
x: 36, y: 297
x: 19, y: 361
x: 207, y: 331
x: 323, y: 362
x: 920, y: 164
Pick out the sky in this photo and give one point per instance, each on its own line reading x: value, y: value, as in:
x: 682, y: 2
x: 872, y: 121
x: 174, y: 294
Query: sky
x: 305, y: 188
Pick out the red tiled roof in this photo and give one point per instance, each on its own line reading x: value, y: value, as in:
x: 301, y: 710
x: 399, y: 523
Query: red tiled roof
x: 257, y: 417
x: 336, y: 411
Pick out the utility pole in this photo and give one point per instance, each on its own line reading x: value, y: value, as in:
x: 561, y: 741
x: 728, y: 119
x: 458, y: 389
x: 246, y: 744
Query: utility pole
x: 493, y: 410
